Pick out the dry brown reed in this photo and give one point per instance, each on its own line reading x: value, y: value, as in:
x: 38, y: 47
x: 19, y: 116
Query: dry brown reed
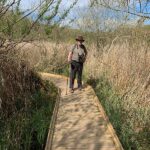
x: 124, y: 62
x: 17, y: 80
x: 44, y: 56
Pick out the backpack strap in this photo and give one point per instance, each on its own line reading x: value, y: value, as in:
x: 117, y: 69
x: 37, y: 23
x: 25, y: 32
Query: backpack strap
x: 82, y: 46
x: 75, y: 45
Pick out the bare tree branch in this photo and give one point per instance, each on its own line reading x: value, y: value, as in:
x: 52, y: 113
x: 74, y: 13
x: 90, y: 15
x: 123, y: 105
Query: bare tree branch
x: 109, y: 5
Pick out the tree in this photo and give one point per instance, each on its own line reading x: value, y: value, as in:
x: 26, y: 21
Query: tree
x: 44, y: 12
x: 139, y: 8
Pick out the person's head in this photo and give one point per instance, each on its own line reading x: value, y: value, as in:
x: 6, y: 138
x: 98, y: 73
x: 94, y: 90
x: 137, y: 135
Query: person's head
x: 79, y: 40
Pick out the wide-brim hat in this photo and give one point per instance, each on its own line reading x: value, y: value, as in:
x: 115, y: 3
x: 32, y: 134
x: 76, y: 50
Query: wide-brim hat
x: 80, y: 38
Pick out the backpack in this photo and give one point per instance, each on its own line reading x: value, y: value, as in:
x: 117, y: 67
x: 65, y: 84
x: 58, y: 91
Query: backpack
x: 82, y: 57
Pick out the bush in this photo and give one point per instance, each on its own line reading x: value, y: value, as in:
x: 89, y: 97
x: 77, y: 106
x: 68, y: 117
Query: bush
x: 26, y: 104
x: 130, y: 122
x: 27, y: 127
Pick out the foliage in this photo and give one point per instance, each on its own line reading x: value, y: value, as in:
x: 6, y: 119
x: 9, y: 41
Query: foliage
x: 26, y: 102
x: 25, y: 118
x: 132, y: 130
x: 16, y: 23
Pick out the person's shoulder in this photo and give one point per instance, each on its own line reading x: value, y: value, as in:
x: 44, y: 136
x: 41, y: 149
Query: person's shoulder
x: 83, y: 46
x: 72, y: 47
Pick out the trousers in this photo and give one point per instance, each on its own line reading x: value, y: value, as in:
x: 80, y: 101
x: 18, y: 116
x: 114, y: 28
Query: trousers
x: 76, y: 68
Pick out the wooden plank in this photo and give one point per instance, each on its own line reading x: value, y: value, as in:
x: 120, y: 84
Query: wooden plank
x: 81, y: 123
x: 110, y: 127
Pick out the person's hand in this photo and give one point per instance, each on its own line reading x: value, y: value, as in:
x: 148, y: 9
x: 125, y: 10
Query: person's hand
x: 69, y: 61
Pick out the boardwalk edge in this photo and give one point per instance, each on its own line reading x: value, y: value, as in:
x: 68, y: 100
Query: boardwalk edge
x: 100, y: 107
x: 52, y: 123
x: 109, y: 125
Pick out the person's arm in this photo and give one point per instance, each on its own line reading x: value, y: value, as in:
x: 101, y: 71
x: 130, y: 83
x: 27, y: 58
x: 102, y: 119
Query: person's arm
x: 69, y: 56
x: 70, y: 53
x: 85, y: 50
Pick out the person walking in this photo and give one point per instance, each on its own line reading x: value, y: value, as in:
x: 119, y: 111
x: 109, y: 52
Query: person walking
x: 76, y: 57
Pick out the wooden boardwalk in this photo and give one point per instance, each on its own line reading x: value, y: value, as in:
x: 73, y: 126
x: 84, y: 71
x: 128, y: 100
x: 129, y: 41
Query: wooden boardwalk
x: 79, y: 121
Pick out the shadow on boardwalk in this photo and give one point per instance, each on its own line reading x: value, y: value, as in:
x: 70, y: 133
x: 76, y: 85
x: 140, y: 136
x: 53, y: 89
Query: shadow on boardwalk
x: 80, y: 123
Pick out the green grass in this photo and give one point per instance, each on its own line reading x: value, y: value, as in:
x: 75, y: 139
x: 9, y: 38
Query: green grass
x: 123, y: 117
x: 28, y: 128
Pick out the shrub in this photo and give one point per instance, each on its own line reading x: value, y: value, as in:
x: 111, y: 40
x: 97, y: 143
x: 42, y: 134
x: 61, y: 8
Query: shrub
x: 26, y: 102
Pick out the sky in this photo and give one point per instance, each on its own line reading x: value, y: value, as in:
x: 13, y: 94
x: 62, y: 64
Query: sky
x: 75, y: 12
x: 81, y: 4
x: 30, y: 4
x: 25, y: 4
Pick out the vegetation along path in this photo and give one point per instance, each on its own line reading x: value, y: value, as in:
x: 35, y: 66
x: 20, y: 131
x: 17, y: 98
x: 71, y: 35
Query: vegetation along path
x: 80, y: 122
